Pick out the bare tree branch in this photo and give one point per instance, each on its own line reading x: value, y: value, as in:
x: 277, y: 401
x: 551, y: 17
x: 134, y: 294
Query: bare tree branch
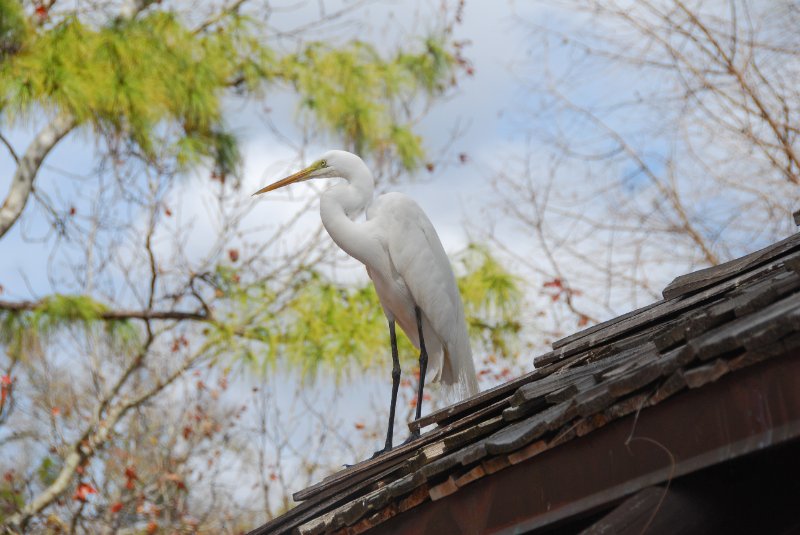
x: 22, y: 182
x: 96, y: 436
x: 220, y: 15
x: 117, y: 315
x: 748, y: 90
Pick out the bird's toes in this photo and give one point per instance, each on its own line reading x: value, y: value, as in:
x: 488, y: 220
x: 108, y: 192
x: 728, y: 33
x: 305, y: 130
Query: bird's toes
x: 411, y: 438
x: 374, y: 455
x: 381, y: 451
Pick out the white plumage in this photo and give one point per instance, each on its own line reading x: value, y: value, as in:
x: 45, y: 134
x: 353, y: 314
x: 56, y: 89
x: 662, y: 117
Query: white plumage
x: 420, y: 273
x: 407, y: 263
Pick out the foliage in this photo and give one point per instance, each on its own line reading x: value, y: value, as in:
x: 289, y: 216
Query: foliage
x: 348, y: 89
x: 13, y: 27
x: 23, y: 331
x: 11, y: 499
x: 158, y: 84
x: 48, y: 470
x: 325, y: 325
x: 136, y: 78
x: 492, y: 300
x: 332, y: 324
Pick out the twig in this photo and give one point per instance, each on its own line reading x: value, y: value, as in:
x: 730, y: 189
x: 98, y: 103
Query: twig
x: 10, y: 148
x: 219, y: 16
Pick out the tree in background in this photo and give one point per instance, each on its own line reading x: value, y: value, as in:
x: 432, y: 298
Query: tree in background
x: 662, y: 136
x: 117, y: 410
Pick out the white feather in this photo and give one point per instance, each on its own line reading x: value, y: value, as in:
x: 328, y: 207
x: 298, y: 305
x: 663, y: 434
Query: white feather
x: 422, y: 275
x: 404, y: 258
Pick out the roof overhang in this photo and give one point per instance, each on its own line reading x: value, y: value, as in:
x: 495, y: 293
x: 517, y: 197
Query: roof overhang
x: 757, y: 408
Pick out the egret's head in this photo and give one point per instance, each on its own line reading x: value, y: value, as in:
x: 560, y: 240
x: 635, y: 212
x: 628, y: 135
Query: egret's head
x: 334, y: 163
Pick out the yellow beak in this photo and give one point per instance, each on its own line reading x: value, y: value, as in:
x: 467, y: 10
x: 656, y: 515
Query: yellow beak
x: 297, y: 177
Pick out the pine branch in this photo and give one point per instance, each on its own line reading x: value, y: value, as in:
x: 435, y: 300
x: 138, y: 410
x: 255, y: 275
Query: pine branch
x: 116, y: 315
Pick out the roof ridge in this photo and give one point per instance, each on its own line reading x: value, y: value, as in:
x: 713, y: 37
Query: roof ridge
x: 703, y: 278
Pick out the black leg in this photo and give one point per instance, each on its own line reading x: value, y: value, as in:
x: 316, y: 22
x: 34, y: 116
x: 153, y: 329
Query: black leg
x: 423, y: 362
x: 395, y: 385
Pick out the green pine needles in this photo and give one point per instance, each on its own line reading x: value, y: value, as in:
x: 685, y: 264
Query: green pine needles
x: 154, y: 82
x: 325, y: 325
x: 26, y: 331
x: 13, y: 27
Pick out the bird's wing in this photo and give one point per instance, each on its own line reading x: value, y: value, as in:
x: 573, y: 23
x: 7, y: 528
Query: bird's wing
x: 417, y: 256
x: 419, y: 259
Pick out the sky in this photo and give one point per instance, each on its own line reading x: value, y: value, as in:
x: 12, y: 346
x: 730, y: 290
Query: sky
x: 451, y: 196
x: 478, y: 110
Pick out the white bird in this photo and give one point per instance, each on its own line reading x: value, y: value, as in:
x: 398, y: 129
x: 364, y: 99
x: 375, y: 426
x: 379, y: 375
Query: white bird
x: 407, y: 263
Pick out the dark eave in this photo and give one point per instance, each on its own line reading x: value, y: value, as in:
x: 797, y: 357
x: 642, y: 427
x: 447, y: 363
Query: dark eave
x: 739, y: 414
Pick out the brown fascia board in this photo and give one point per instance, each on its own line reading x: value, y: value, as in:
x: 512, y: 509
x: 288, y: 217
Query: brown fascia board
x: 751, y: 410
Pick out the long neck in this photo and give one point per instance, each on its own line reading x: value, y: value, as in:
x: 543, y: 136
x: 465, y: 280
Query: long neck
x: 340, y: 205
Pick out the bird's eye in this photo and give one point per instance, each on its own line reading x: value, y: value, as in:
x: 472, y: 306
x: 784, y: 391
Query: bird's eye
x: 324, y: 163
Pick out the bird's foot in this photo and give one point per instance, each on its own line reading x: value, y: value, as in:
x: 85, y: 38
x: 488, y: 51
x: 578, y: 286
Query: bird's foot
x: 378, y: 453
x: 386, y: 449
x: 411, y: 438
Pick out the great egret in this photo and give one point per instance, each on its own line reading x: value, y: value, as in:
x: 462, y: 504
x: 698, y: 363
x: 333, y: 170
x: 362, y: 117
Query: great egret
x: 407, y: 263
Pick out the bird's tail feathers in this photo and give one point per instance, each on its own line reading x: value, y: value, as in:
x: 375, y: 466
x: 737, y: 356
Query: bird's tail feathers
x: 458, y: 377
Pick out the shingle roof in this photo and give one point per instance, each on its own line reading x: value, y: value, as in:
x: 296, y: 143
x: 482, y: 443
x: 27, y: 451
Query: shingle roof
x: 710, y: 324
